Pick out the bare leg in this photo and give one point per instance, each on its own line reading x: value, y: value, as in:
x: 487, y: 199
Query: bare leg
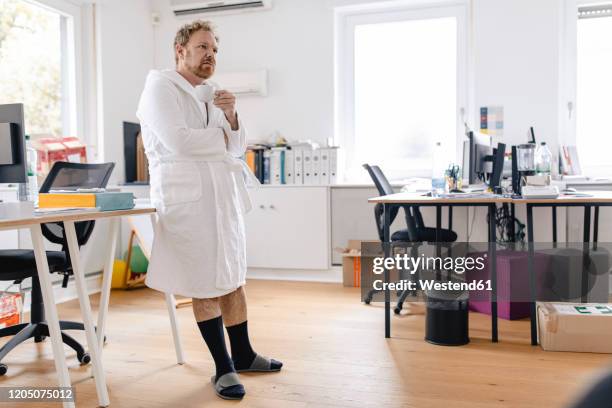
x: 233, y: 307
x: 206, y: 309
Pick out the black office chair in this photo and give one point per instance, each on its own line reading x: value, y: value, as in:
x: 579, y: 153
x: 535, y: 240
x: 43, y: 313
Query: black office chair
x: 20, y: 264
x: 416, y: 231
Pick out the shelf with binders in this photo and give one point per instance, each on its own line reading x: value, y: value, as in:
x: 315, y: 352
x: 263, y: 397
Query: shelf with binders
x: 298, y: 165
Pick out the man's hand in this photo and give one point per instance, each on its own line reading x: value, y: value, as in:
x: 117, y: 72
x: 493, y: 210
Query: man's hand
x: 226, y: 101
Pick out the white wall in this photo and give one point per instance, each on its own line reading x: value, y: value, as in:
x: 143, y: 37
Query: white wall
x: 516, y: 55
x: 294, y: 41
x: 125, y: 55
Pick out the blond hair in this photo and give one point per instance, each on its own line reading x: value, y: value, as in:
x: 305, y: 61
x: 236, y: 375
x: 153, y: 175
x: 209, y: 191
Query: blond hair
x: 184, y: 33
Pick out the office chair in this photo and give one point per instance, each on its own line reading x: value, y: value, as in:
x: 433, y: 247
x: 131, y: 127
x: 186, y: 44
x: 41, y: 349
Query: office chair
x: 415, y: 233
x: 19, y: 264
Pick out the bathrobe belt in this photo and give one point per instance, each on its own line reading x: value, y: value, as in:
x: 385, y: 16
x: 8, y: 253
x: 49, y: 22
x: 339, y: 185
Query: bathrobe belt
x: 244, y: 175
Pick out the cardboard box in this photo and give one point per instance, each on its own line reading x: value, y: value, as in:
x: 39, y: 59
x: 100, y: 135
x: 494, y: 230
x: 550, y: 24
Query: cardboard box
x: 353, y: 261
x: 581, y: 327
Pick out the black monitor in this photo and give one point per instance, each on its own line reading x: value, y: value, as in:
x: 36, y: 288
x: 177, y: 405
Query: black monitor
x: 130, y: 136
x: 12, y: 144
x: 498, y: 166
x: 476, y: 158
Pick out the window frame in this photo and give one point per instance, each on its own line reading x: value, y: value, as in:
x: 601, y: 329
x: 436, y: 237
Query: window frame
x: 71, y: 64
x: 568, y: 79
x: 346, y: 18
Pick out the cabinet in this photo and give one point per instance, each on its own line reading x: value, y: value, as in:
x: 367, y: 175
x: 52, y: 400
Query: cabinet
x: 289, y: 227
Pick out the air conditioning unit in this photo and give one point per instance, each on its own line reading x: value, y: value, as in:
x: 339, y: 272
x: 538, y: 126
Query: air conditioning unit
x: 246, y: 83
x: 192, y: 7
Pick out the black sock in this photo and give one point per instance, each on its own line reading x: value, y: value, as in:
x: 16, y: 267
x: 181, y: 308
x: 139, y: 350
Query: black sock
x: 242, y: 352
x: 212, y: 331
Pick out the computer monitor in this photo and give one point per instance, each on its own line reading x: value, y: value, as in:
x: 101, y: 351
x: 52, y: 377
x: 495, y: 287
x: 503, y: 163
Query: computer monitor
x: 12, y: 139
x: 498, y: 166
x: 130, y: 137
x: 477, y: 152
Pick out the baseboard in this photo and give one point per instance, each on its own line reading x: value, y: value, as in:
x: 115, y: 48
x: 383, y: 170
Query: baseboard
x: 332, y: 275
x: 94, y: 285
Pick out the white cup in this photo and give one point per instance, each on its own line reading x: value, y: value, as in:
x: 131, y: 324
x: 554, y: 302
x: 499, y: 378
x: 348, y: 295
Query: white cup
x: 205, y: 93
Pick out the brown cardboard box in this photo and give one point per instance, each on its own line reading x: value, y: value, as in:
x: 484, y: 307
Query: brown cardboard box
x: 582, y: 327
x: 353, y: 261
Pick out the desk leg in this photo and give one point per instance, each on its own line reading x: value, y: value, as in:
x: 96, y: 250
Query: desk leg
x: 107, y: 275
x: 584, y: 290
x: 438, y: 234
x: 42, y: 266
x: 596, y: 228
x: 438, y: 222
x: 554, y: 226
x: 532, y: 286
x: 92, y: 341
x: 493, y: 263
x: 387, y: 249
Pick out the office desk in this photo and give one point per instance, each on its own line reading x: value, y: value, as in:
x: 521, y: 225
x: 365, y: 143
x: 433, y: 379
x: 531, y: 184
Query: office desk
x: 597, y: 199
x: 10, y: 219
x: 417, y: 199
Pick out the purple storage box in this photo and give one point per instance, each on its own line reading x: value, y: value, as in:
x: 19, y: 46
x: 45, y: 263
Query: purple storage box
x: 512, y: 283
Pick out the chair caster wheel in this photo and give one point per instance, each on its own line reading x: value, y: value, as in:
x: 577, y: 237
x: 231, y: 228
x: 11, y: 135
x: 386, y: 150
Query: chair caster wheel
x: 397, y: 310
x: 3, y: 369
x: 367, y: 301
x: 38, y: 339
x: 84, y: 359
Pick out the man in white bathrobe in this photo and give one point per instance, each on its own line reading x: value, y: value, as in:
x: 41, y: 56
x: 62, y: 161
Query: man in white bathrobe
x: 193, y: 143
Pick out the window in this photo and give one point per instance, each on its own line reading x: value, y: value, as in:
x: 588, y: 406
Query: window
x: 399, y: 75
x: 594, y: 90
x: 35, y: 62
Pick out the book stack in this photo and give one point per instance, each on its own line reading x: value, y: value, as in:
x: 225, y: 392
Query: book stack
x: 104, y: 201
x: 301, y: 164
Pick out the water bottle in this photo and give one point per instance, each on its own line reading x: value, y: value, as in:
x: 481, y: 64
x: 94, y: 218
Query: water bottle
x: 438, y: 179
x: 31, y: 165
x: 543, y: 159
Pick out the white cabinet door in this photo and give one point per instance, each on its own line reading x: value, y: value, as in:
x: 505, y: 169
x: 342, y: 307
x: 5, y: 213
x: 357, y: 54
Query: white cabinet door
x: 289, y: 228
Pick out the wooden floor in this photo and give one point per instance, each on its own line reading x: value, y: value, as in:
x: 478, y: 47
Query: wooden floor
x: 334, y: 352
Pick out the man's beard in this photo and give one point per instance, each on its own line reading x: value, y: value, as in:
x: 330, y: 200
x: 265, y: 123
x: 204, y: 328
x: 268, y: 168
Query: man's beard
x: 202, y: 71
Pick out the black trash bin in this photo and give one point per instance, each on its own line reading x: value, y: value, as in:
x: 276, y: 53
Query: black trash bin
x: 446, y: 322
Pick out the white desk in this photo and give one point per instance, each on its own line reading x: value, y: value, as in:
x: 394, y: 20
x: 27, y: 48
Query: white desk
x: 12, y: 217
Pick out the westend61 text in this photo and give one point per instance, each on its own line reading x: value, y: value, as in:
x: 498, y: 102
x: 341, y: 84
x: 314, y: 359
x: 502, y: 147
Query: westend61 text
x: 431, y: 284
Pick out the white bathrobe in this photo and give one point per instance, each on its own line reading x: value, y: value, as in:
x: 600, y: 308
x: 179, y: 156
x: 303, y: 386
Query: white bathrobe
x: 198, y: 188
